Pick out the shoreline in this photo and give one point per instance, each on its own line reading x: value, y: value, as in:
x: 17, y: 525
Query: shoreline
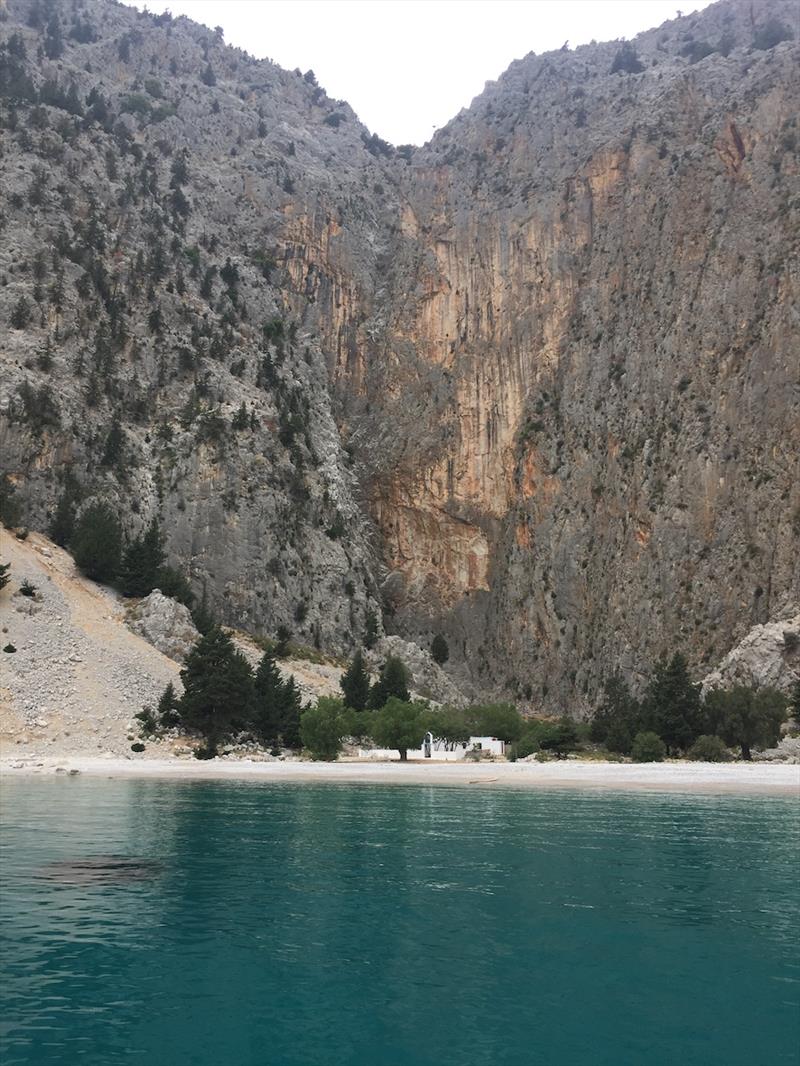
x: 700, y: 778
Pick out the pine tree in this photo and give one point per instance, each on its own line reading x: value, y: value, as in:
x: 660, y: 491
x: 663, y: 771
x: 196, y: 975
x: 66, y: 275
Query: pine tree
x: 269, y: 700
x: 393, y: 682
x: 217, y: 688
x: 97, y: 543
x: 355, y: 684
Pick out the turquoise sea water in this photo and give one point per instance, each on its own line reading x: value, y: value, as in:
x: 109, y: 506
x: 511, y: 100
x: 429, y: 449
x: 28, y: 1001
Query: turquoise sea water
x: 301, y: 924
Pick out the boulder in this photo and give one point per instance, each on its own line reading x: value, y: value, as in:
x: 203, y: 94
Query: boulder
x: 788, y: 750
x: 768, y: 655
x: 164, y: 623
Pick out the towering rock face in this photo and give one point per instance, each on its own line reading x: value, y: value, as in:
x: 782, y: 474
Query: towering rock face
x: 559, y: 342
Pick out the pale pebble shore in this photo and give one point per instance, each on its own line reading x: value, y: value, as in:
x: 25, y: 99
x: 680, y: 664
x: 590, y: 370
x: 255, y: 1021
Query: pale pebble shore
x: 707, y: 778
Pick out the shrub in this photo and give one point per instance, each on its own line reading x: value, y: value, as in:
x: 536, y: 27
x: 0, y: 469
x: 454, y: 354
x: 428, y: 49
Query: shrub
x: 709, y: 749
x: 9, y: 648
x: 27, y: 588
x: 137, y: 747
x: 648, y: 747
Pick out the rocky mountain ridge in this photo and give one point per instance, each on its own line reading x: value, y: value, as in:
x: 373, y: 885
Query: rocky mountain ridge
x: 534, y: 385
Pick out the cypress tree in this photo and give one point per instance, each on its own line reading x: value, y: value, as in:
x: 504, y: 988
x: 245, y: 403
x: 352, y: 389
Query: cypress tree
x: 355, y: 684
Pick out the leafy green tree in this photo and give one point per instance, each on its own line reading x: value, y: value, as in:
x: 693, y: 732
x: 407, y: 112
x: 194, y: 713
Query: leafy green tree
x: 355, y: 683
x: 217, y: 688
x: 672, y: 704
x: 268, y: 700
x: 708, y: 749
x: 400, y: 724
x: 440, y: 650
x: 168, y: 709
x: 501, y: 720
x: 648, y: 747
x: 747, y: 717
x: 143, y: 563
x: 560, y: 738
x: 392, y: 682
x: 97, y: 542
x: 5, y: 577
x: 449, y: 724
x: 322, y: 727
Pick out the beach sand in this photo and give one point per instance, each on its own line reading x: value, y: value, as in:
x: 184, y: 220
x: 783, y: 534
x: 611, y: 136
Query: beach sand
x: 710, y: 778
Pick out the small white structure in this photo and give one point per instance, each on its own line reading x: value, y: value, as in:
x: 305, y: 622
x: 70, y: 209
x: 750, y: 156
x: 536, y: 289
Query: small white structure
x: 439, y: 750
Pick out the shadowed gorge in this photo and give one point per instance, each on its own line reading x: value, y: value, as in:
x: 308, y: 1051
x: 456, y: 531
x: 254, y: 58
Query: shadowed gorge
x: 534, y: 385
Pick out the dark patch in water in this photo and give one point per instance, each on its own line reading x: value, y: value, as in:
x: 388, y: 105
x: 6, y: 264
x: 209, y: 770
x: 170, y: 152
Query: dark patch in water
x: 101, y: 870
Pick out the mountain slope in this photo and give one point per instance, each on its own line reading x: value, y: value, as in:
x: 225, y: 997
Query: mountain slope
x: 533, y: 385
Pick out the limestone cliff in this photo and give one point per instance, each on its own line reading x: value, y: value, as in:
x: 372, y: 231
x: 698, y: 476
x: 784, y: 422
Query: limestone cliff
x: 535, y: 384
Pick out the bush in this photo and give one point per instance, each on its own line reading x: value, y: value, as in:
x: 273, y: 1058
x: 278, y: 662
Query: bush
x: 709, y: 749
x: 648, y: 747
x: 27, y: 588
x: 137, y: 747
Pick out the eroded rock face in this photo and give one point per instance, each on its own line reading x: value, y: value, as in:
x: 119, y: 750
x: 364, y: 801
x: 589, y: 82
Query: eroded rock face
x: 164, y: 623
x: 428, y: 679
x: 542, y: 370
x: 768, y: 656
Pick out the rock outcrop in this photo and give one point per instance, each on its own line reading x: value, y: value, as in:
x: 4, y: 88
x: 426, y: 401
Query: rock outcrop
x: 533, y: 385
x: 428, y: 679
x: 768, y: 656
x: 164, y: 623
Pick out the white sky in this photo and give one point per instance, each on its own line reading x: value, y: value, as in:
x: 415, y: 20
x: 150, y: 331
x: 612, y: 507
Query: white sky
x: 407, y: 67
